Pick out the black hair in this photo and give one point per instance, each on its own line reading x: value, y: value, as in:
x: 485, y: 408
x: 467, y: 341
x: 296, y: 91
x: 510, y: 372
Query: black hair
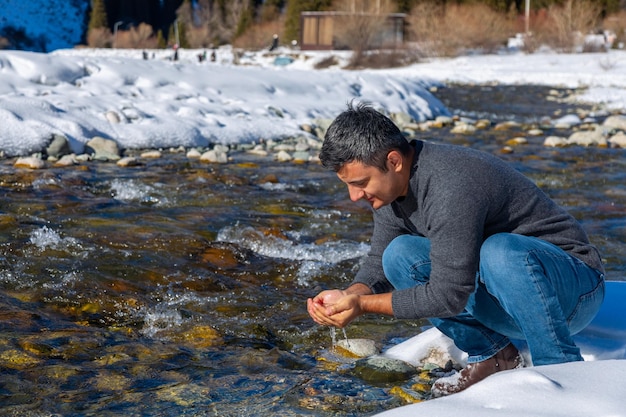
x: 364, y: 135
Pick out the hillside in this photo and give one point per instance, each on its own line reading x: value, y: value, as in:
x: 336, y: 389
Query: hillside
x: 43, y: 25
x: 47, y: 25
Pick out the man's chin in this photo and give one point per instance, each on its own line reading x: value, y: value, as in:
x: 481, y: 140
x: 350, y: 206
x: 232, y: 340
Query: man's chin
x: 377, y: 204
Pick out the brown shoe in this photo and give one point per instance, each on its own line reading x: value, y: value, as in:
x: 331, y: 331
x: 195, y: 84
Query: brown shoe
x: 507, y: 358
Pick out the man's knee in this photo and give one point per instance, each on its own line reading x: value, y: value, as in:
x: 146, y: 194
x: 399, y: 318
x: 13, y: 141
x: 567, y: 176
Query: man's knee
x: 405, y: 247
x: 500, y: 250
x: 406, y: 256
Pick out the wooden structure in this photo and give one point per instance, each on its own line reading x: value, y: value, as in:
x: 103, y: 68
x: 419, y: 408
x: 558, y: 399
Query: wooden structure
x: 318, y: 30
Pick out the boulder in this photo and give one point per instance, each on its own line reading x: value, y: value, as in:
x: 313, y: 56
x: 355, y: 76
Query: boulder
x: 618, y: 140
x: 103, y: 149
x: 615, y: 122
x: 58, y: 146
x: 380, y: 370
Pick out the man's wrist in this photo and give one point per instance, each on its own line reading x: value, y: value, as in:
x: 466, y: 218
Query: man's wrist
x: 358, y: 289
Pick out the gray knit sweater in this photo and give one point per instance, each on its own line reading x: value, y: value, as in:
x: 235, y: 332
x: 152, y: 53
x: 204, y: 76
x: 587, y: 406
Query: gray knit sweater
x: 457, y: 198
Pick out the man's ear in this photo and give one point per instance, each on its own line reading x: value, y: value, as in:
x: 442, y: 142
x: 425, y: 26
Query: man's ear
x: 394, y: 160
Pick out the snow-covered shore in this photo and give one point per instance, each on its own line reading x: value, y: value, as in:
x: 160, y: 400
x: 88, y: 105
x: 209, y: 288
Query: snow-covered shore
x: 158, y: 103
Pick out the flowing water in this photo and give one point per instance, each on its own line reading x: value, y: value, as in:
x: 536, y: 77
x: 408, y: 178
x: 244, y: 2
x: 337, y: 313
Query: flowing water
x: 178, y: 288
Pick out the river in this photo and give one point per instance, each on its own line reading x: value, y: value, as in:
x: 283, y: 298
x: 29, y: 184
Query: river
x: 178, y: 288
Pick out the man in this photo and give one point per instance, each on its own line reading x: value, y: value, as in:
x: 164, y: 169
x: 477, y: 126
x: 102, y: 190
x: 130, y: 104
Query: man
x: 462, y: 239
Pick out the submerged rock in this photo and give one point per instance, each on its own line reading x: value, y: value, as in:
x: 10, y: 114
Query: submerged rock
x: 16, y: 359
x: 378, y: 369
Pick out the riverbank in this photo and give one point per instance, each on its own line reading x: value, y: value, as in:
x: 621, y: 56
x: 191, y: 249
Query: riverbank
x: 158, y: 103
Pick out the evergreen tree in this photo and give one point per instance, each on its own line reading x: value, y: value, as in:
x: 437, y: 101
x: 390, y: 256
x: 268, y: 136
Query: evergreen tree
x: 161, y: 41
x: 182, y: 35
x: 405, y: 6
x: 98, y: 18
x: 245, y: 20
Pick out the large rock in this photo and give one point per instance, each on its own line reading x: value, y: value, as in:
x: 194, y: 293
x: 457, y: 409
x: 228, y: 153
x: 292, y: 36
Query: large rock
x: 588, y: 138
x: 378, y: 370
x: 615, y: 122
x: 618, y: 140
x: 103, y: 149
x: 58, y: 146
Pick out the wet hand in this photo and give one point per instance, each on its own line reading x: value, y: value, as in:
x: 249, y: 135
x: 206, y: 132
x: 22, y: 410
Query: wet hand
x: 334, y: 308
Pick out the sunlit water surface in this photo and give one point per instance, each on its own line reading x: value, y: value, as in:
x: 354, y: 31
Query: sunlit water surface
x: 179, y: 288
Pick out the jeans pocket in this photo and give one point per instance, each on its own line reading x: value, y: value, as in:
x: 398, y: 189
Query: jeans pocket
x: 588, y: 306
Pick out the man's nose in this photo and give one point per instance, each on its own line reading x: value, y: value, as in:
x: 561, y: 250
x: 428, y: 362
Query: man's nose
x: 355, y: 193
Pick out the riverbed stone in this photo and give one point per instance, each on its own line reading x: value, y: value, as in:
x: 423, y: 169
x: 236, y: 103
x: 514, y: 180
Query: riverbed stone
x: 359, y: 348
x: 58, y: 146
x: 444, y: 120
x: 8, y: 221
x: 508, y: 125
x: 286, y: 147
x: 314, y: 143
x: 84, y: 157
x: 616, y: 121
x: 407, y: 396
x: 214, y: 156
x: 618, y: 140
x: 555, y: 142
x: 301, y: 156
x: 194, y: 154
x: 567, y: 122
x: 66, y: 161
x: 110, y: 381
x: 200, y: 336
x: 588, y: 138
x: 283, y: 156
x: 378, y: 369
x: 17, y: 359
x: 302, y: 146
x: 520, y: 140
x: 128, y: 161
x: 103, y: 149
x: 483, y: 124
x: 152, y: 154
x: 183, y: 395
x: 463, y: 129
x: 30, y: 162
x: 401, y: 118
x: 258, y: 150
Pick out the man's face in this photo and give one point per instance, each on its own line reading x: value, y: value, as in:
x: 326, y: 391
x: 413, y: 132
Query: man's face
x: 370, y: 183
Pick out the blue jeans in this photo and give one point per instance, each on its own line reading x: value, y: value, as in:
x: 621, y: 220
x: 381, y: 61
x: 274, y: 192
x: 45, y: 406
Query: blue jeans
x: 526, y: 289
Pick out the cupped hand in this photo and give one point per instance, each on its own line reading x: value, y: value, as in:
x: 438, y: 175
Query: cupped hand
x: 334, y: 308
